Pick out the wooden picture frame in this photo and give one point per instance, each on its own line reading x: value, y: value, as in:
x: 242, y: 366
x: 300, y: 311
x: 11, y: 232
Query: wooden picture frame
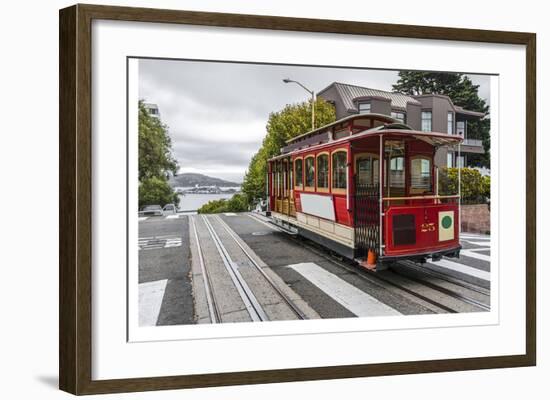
x: 75, y: 205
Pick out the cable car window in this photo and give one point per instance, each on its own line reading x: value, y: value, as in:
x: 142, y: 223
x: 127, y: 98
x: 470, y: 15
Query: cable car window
x: 299, y: 173
x: 279, y: 179
x: 375, y: 171
x: 397, y: 172
x: 285, y: 178
x: 421, y: 174
x: 395, y: 167
x: 276, y: 179
x: 310, y: 172
x: 322, y: 171
x: 339, y: 161
x: 367, y: 170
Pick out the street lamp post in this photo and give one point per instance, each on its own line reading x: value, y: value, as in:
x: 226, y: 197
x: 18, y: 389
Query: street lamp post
x: 286, y: 80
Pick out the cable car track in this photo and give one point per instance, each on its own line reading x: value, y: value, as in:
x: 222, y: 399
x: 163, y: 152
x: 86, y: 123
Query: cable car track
x: 213, y: 310
x: 252, y: 304
x: 458, y: 282
x: 295, y: 309
x: 372, y: 276
x: 250, y: 301
x: 447, y: 291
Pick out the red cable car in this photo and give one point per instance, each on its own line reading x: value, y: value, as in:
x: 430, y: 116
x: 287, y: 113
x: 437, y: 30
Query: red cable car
x: 330, y: 186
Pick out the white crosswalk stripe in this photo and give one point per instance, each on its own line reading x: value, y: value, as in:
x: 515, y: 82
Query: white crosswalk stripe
x: 347, y: 295
x: 464, y: 269
x: 477, y: 242
x: 150, y: 301
x: 159, y: 242
x: 474, y: 254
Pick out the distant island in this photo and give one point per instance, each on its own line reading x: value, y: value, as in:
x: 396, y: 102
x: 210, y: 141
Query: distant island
x: 189, y: 179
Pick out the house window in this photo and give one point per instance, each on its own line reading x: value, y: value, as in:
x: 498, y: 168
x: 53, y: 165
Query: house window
x: 400, y: 116
x: 298, y: 175
x: 461, y: 128
x: 421, y: 174
x: 339, y: 163
x: 449, y: 160
x: 364, y: 108
x: 426, y: 121
x: 310, y: 172
x: 322, y: 171
x: 450, y: 123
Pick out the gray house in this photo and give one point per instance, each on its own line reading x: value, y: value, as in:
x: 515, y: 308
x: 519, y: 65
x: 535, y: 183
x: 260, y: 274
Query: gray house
x: 429, y: 112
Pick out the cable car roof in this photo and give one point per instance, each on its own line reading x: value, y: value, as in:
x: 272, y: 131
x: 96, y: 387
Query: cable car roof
x: 433, y: 138
x: 392, y: 129
x: 379, y: 117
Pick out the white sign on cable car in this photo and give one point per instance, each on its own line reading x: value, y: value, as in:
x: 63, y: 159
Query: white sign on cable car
x: 319, y: 205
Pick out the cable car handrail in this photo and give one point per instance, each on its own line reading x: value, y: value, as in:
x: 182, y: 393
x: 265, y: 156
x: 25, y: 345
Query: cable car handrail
x: 454, y: 196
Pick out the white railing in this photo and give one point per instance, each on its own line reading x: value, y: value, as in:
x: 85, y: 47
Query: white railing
x: 473, y: 142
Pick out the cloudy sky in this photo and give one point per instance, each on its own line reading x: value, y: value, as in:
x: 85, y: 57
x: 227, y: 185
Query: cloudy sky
x: 217, y: 112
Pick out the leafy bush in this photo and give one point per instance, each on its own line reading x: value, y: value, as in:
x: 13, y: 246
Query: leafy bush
x: 237, y: 203
x: 156, y: 190
x: 475, y: 188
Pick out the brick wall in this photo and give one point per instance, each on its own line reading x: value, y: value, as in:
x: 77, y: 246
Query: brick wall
x: 475, y: 218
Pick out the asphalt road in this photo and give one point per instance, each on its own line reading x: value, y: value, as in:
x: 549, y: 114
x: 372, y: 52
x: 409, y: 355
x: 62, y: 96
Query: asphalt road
x: 164, y: 256
x: 327, y: 288
x: 278, y: 251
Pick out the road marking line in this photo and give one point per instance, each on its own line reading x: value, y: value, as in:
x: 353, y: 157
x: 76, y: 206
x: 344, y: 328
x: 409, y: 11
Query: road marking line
x: 261, y: 221
x: 472, y: 254
x: 157, y: 237
x: 477, y: 237
x: 355, y: 300
x: 481, y: 249
x: 477, y: 243
x: 172, y: 216
x: 142, y: 218
x: 150, y: 301
x: 230, y: 214
x: 159, y: 242
x: 464, y: 269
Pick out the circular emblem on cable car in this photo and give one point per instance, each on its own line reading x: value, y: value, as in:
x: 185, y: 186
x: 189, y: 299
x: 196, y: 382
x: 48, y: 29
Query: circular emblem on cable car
x: 446, y: 222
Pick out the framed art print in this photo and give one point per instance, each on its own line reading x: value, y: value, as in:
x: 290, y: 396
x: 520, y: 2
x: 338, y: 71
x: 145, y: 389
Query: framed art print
x: 234, y: 188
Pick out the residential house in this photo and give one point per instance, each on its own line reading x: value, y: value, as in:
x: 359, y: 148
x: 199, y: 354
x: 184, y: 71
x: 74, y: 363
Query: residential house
x: 152, y: 109
x: 428, y: 112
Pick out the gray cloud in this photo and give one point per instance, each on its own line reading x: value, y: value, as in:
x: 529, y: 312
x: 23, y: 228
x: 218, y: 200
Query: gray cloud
x: 216, y: 112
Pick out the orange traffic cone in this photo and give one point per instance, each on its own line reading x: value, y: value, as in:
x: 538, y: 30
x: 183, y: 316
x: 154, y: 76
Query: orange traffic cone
x: 371, y: 260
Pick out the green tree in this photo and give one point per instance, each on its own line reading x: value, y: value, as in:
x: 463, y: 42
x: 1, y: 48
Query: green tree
x: 291, y: 121
x: 156, y: 190
x: 237, y: 203
x: 156, y: 162
x: 462, y: 92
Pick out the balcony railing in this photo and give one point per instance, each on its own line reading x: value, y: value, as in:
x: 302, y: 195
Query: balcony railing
x: 473, y: 142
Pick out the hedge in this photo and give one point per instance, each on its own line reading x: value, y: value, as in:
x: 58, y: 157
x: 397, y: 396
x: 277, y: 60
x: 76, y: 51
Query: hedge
x: 475, y: 188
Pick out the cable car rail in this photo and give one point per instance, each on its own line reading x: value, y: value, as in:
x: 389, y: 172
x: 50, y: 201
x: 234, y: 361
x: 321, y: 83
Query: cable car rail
x: 458, y: 282
x: 212, y: 305
x: 252, y: 304
x: 447, y: 291
x: 295, y: 309
x: 250, y: 301
x: 376, y: 278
